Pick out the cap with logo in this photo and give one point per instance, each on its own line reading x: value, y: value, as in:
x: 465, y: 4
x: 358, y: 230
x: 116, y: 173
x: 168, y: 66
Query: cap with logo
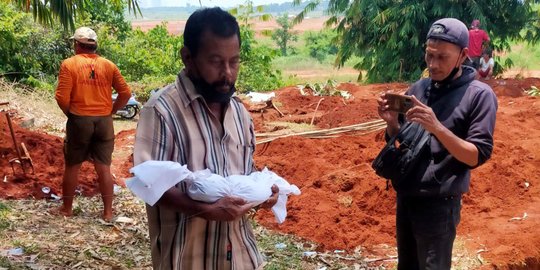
x: 85, y: 35
x: 450, y: 30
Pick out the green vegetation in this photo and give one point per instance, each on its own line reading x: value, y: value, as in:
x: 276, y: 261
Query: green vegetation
x: 4, y: 221
x: 256, y: 72
x: 141, y: 54
x: 328, y: 88
x: 533, y: 91
x: 313, y: 60
x: 151, y: 59
x: 27, y: 50
x: 389, y: 35
x: 283, y: 35
x: 523, y: 56
x: 322, y: 43
x: 148, y: 60
x: 283, y: 252
x: 48, y: 12
x: 5, y: 263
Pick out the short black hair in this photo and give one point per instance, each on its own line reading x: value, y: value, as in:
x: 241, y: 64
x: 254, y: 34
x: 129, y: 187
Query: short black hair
x: 216, y: 20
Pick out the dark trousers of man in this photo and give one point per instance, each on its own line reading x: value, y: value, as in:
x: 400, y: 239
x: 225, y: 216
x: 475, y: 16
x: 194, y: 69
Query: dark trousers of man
x: 426, y: 229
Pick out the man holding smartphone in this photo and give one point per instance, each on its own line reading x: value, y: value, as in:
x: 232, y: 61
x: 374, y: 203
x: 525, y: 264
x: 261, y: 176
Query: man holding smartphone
x: 459, y: 113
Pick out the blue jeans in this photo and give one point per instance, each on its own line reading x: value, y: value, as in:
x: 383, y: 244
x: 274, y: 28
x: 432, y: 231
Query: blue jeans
x: 426, y: 229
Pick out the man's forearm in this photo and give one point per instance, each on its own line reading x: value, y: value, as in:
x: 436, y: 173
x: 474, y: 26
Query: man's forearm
x: 176, y: 200
x: 120, y: 102
x: 63, y: 107
x: 460, y: 149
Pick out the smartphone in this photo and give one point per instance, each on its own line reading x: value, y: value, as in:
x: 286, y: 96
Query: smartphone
x: 398, y: 103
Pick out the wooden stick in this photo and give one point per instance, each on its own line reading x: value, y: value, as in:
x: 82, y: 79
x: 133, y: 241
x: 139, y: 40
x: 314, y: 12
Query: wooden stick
x: 380, y: 259
x: 13, y: 136
x: 321, y: 135
x: 315, y: 112
x: 361, y: 126
x: 274, y: 106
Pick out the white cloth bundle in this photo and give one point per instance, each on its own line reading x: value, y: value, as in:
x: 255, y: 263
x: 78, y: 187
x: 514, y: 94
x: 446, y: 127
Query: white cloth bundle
x: 153, y: 178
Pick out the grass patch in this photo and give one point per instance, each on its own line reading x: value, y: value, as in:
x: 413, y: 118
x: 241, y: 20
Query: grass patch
x: 5, y: 263
x: 4, y: 221
x: 280, y: 251
x: 300, y: 69
x: 524, y: 56
x: 44, y: 111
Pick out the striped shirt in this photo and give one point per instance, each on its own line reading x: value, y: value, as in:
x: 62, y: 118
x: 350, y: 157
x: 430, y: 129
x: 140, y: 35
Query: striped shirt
x: 176, y: 124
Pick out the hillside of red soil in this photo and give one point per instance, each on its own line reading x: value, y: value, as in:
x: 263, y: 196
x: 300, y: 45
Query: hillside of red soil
x: 343, y: 203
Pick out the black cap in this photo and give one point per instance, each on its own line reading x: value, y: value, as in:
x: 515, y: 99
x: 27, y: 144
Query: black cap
x: 450, y: 30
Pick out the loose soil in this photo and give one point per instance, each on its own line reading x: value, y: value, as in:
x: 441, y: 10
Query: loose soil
x: 343, y: 204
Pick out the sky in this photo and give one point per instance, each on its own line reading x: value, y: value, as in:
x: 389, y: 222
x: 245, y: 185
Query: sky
x: 209, y: 3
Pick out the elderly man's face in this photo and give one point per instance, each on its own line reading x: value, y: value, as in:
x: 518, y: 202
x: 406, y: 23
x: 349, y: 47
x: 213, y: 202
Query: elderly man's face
x: 218, y: 61
x: 441, y: 58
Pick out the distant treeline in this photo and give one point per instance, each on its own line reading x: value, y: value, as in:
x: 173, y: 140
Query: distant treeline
x: 182, y: 13
x: 288, y: 7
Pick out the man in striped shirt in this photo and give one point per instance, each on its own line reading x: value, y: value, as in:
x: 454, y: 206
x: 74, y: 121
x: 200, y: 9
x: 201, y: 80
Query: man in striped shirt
x: 196, y: 121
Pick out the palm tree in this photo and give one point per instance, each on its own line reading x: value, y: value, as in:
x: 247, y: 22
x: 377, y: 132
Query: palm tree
x: 47, y: 12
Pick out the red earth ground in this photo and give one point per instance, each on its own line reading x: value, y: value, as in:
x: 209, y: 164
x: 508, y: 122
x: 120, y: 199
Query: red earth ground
x: 343, y: 203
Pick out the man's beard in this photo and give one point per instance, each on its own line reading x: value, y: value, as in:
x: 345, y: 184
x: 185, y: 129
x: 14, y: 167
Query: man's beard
x: 210, y: 91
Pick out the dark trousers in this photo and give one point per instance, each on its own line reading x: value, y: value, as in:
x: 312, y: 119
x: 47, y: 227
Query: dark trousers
x: 426, y: 229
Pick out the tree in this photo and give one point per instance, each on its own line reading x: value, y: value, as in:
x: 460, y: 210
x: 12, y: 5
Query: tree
x: 26, y: 48
x: 256, y: 72
x: 320, y: 44
x: 47, y: 12
x: 102, y: 13
x: 389, y: 35
x: 282, y: 36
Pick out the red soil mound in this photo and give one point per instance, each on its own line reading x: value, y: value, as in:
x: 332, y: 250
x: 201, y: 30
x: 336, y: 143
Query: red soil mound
x: 343, y: 203
x: 46, y: 152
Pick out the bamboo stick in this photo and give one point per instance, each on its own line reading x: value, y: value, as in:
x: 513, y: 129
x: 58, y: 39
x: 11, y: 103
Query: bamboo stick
x: 363, y: 128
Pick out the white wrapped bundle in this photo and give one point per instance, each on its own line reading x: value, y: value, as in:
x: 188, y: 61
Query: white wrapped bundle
x: 144, y: 184
x: 153, y: 178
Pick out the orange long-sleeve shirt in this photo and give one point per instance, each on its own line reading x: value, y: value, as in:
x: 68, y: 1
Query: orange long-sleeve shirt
x: 86, y: 93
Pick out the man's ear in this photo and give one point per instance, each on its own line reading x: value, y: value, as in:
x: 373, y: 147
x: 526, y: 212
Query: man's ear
x: 464, y: 54
x: 186, y: 57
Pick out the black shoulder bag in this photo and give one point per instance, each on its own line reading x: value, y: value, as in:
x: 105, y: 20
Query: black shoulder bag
x: 398, y: 162
x: 400, y: 157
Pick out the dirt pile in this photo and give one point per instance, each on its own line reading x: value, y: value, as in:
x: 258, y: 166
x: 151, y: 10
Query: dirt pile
x: 46, y: 152
x: 343, y: 203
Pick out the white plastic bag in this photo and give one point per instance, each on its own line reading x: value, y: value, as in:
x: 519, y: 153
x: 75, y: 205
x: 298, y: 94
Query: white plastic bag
x: 153, y: 178
x: 145, y: 184
x: 207, y: 187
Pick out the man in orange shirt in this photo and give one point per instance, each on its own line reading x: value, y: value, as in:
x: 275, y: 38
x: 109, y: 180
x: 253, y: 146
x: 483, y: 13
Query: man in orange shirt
x: 83, y: 93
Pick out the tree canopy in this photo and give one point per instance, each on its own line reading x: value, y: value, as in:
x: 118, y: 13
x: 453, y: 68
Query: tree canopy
x: 389, y: 35
x: 47, y: 12
x: 284, y: 34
